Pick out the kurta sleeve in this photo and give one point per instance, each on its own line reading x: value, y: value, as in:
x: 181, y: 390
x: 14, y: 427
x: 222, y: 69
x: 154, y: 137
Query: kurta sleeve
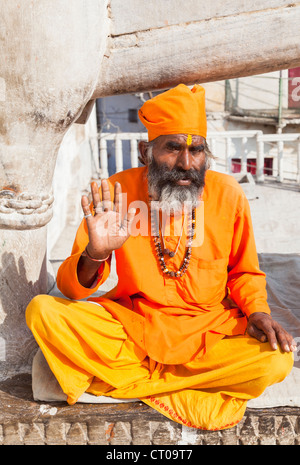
x: 246, y: 282
x: 67, y: 279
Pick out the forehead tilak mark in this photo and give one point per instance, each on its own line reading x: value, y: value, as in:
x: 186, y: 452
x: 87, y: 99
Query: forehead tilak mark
x: 189, y: 139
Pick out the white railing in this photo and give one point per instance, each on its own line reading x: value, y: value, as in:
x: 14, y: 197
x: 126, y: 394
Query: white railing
x: 280, y: 139
x: 257, y: 139
x: 133, y: 137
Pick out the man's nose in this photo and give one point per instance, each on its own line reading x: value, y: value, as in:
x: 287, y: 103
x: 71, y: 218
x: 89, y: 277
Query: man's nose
x: 184, y: 160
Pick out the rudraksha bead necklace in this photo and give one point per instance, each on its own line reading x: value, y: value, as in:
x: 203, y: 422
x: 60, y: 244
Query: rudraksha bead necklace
x: 158, y: 244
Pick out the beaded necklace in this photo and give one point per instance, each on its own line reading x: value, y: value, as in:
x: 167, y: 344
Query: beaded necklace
x: 158, y: 244
x: 166, y: 251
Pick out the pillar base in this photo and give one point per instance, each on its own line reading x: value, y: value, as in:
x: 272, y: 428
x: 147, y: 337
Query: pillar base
x: 23, y: 274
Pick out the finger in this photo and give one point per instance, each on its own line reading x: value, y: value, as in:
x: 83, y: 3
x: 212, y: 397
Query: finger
x: 283, y: 342
x: 118, y: 197
x: 285, y: 339
x: 271, y: 336
x: 266, y: 325
x: 85, y: 205
x: 96, y: 198
x: 257, y: 333
x: 293, y: 345
x: 106, y: 198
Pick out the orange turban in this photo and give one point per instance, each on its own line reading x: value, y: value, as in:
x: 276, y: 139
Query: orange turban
x: 177, y: 111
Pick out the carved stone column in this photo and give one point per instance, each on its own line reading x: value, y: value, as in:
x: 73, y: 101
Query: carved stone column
x: 51, y: 53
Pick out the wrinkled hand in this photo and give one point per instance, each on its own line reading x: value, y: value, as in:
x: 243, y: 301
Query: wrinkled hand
x: 108, y: 229
x: 264, y: 328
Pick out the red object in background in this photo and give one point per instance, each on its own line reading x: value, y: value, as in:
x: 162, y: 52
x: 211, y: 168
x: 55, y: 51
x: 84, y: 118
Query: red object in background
x: 251, y: 166
x: 294, y: 88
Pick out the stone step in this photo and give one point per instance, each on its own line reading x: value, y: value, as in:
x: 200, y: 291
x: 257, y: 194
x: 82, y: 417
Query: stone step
x: 24, y: 421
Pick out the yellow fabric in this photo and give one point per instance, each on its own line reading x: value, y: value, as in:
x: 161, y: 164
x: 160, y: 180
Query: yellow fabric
x: 173, y: 320
x: 88, y: 350
x: 180, y: 110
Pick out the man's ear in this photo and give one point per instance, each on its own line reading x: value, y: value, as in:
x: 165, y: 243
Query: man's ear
x: 143, y: 147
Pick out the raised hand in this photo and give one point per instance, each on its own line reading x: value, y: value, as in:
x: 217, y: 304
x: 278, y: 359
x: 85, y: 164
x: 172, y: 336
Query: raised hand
x: 108, y: 229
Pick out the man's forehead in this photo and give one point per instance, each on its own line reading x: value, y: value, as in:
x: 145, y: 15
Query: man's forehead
x: 189, y: 139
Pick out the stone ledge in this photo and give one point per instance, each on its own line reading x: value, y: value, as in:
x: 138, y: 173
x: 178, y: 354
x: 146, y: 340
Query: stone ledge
x: 24, y: 421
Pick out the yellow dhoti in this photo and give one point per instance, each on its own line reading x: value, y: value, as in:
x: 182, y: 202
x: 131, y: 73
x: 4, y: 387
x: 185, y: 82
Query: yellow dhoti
x: 88, y: 350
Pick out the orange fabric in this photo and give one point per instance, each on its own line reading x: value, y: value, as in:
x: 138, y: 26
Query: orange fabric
x: 89, y: 351
x: 180, y: 110
x: 175, y: 320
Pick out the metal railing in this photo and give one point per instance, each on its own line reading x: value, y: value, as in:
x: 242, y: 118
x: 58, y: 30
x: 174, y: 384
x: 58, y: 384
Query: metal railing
x: 227, y: 139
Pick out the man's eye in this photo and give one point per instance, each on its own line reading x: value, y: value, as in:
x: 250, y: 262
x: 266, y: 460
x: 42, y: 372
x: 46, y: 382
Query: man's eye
x: 197, y: 149
x: 173, y: 148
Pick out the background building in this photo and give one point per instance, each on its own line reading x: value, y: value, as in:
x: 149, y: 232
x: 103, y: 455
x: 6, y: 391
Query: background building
x: 269, y: 103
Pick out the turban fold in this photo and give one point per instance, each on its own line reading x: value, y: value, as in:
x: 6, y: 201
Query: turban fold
x: 180, y: 110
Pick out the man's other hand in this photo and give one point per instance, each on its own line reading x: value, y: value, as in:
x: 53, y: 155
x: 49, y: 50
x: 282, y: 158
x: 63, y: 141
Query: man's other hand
x: 264, y: 328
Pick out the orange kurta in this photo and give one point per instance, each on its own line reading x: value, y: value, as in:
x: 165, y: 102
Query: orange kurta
x: 174, y: 320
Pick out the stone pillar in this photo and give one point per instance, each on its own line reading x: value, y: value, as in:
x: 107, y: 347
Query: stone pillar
x: 51, y: 53
x: 52, y: 66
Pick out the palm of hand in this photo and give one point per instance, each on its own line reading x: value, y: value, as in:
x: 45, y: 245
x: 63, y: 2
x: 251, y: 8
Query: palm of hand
x: 108, y: 229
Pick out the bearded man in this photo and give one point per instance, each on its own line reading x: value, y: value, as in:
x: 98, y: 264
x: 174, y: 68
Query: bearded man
x: 187, y: 329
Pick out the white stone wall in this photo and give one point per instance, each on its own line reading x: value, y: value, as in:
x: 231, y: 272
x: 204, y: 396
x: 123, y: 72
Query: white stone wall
x: 77, y: 163
x: 260, y: 92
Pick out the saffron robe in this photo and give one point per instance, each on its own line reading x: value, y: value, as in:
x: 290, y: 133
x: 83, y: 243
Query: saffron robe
x: 177, y: 344
x: 174, y: 320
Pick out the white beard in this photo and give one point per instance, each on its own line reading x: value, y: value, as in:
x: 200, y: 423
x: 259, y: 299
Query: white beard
x: 177, y: 200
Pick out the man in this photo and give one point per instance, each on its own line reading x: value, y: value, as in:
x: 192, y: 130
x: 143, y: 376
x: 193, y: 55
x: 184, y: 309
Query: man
x: 187, y: 329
